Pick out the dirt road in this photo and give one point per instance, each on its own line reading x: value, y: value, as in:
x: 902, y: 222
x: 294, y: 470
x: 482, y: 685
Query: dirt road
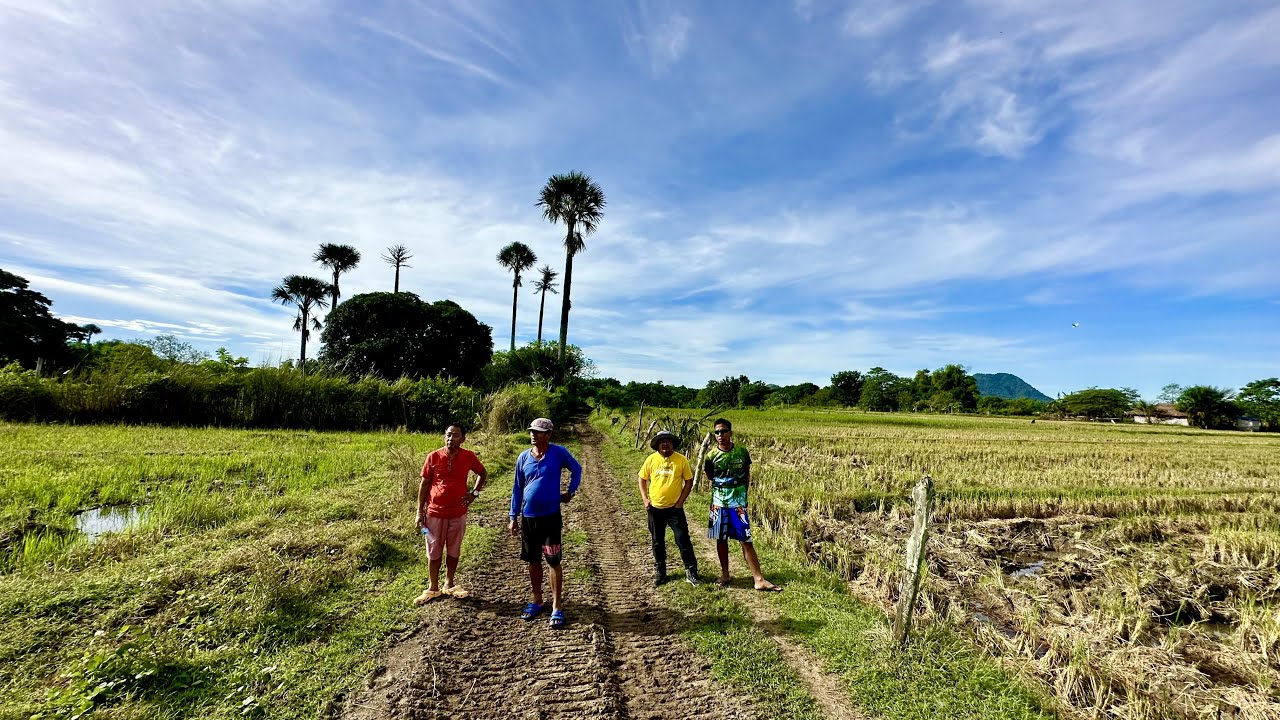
x: 620, y: 656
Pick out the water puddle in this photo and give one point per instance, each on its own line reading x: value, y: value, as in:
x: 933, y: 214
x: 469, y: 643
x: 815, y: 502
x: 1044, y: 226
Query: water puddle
x: 96, y: 522
x: 1031, y: 570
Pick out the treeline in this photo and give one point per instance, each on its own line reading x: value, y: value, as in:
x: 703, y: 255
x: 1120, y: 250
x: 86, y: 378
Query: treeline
x: 165, y: 381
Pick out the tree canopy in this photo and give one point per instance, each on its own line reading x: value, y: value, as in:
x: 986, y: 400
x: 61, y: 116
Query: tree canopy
x: 28, y: 331
x: 1208, y: 407
x: 1095, y: 403
x: 397, y: 334
x: 1261, y: 399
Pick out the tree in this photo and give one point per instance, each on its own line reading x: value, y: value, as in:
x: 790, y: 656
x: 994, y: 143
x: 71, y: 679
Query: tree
x: 28, y: 331
x: 169, y: 347
x: 399, y: 256
x: 846, y: 387
x: 956, y: 385
x: 534, y: 363
x: 516, y: 257
x: 1095, y: 403
x: 1207, y: 406
x: 793, y: 394
x: 753, y: 394
x: 307, y: 294
x: 543, y: 285
x: 721, y: 393
x: 1261, y: 399
x: 1169, y: 393
x: 881, y: 390
x: 339, y: 259
x: 391, y: 335
x: 578, y: 202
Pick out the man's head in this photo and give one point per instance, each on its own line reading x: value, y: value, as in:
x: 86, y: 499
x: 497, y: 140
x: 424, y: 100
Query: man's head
x: 665, y: 442
x: 454, y: 436
x: 540, y: 432
x: 722, y: 429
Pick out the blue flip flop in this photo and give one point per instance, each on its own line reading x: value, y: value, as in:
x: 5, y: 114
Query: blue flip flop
x: 557, y: 619
x: 531, y: 611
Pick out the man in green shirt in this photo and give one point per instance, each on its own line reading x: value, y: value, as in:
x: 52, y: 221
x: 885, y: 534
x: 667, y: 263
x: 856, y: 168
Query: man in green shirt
x: 729, y: 468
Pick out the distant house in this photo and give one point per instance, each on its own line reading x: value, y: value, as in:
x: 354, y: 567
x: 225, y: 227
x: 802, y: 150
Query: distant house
x: 1165, y: 414
x: 1245, y: 422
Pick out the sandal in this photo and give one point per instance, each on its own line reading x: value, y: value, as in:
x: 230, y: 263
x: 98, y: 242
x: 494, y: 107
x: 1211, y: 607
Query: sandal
x: 427, y: 596
x: 456, y: 591
x: 557, y: 619
x: 531, y: 611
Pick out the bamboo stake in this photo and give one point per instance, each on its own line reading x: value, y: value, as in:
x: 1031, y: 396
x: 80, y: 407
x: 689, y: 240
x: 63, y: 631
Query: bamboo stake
x: 909, y: 589
x: 640, y: 424
x: 702, y: 451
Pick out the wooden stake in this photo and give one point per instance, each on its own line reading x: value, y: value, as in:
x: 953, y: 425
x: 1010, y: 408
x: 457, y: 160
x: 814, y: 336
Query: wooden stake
x: 913, y: 577
x: 702, y: 452
x: 640, y: 424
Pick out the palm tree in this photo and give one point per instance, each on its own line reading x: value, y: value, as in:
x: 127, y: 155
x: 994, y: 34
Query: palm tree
x: 397, y: 255
x: 88, y: 331
x: 516, y: 257
x: 339, y: 259
x: 1207, y: 406
x: 547, y: 283
x: 306, y: 294
x: 578, y: 202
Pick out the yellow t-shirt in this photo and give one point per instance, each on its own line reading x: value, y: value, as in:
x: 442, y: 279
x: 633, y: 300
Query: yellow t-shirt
x: 666, y: 478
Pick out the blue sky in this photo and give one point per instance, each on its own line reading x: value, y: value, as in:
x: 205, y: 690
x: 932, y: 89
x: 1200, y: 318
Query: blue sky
x: 794, y: 189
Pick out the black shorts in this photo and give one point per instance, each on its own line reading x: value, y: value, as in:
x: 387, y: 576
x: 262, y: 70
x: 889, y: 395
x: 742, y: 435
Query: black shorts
x: 540, y: 537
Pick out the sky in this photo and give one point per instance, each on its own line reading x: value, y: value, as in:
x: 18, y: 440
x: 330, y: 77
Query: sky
x: 1079, y: 193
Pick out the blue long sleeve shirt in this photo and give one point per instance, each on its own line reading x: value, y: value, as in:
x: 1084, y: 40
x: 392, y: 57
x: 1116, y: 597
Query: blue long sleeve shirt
x: 536, y: 491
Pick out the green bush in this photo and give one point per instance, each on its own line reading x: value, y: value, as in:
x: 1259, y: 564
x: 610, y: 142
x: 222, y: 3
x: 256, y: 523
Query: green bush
x: 23, y: 396
x: 205, y: 395
x: 513, y: 407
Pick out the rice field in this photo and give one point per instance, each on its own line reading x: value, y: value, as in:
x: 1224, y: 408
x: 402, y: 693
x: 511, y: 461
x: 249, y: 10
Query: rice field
x: 1130, y: 569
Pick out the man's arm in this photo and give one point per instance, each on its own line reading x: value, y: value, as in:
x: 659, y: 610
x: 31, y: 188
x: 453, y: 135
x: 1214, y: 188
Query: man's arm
x: 687, y: 487
x: 642, y: 481
x: 424, y: 492
x: 517, y: 493
x: 575, y: 471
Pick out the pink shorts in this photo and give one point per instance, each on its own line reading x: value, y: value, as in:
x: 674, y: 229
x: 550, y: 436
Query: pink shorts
x: 444, y: 535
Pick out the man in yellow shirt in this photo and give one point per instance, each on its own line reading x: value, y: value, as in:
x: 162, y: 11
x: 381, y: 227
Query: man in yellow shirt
x: 665, y: 482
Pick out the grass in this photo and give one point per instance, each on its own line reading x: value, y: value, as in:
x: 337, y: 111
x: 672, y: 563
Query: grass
x: 265, y: 572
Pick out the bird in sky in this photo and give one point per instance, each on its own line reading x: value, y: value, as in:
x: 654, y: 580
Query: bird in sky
x: 1075, y: 324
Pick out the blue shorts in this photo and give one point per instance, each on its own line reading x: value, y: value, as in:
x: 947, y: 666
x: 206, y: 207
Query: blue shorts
x: 729, y: 523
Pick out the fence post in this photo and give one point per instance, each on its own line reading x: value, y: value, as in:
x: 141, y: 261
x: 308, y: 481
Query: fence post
x: 909, y: 588
x: 702, y: 452
x: 640, y: 424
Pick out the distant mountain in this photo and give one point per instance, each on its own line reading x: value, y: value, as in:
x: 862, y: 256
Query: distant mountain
x: 1009, y: 387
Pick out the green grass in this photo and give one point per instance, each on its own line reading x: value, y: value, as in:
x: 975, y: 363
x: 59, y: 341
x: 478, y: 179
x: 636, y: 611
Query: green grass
x: 939, y: 676
x: 267, y: 570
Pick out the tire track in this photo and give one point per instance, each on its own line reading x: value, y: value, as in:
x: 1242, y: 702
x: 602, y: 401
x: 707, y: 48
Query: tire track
x: 620, y: 655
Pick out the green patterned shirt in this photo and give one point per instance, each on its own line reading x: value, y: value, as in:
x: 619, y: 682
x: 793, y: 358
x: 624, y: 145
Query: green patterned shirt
x: 727, y: 470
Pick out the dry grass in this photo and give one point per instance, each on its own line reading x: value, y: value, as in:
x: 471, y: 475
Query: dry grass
x: 1131, y: 569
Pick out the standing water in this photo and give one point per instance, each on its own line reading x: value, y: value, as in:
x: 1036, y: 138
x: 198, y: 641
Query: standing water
x: 97, y: 522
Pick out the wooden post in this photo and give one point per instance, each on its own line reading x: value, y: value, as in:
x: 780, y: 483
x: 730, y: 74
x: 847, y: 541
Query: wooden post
x: 913, y: 576
x: 640, y: 424
x: 702, y: 452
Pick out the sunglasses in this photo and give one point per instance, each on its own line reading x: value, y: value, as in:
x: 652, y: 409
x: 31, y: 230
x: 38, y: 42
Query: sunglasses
x: 721, y: 432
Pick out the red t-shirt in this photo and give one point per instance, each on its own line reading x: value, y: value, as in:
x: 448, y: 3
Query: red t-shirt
x: 448, y: 481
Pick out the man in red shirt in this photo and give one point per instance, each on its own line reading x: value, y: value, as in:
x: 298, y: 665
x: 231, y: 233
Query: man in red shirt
x: 443, y: 499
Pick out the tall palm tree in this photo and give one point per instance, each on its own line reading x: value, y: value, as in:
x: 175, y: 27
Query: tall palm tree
x: 545, y: 284
x: 307, y: 294
x: 516, y: 257
x: 578, y: 202
x: 397, y: 255
x: 339, y: 259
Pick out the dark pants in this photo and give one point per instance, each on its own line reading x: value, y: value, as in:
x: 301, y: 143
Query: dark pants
x: 673, y: 517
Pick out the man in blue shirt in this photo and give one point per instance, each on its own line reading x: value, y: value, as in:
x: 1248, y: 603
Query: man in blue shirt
x: 536, y: 499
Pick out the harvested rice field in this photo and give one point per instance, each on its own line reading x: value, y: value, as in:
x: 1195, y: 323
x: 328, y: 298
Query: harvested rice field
x: 1131, y: 570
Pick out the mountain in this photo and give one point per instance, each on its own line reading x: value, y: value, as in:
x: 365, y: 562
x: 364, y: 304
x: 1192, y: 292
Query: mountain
x: 1009, y: 387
